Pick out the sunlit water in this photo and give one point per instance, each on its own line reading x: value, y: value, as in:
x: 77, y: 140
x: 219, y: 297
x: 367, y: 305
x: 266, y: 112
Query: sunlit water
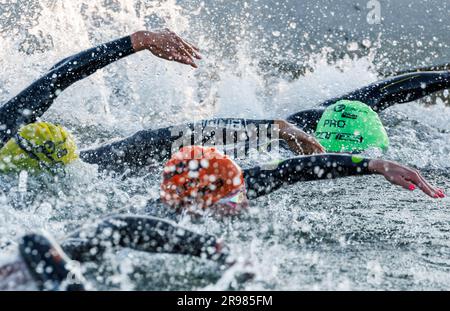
x: 353, y: 233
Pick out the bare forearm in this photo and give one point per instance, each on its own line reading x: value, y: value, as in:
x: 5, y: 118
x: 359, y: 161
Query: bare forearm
x: 297, y: 139
x: 140, y: 40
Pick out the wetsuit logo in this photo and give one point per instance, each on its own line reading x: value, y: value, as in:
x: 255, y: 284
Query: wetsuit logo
x: 232, y: 137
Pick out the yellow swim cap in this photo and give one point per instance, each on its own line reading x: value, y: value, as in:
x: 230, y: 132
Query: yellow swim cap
x: 38, y: 146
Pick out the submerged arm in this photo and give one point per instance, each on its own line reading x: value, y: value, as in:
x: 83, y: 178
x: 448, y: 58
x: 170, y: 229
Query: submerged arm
x: 146, y: 234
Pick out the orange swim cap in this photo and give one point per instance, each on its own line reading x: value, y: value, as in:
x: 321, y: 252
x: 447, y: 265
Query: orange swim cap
x: 199, y: 176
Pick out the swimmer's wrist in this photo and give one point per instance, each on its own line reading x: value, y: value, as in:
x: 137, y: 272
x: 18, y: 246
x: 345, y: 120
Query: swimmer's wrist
x: 287, y: 131
x: 376, y: 166
x: 281, y: 124
x: 140, y: 40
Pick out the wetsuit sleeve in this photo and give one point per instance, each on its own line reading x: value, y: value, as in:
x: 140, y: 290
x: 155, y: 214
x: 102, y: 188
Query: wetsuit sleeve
x: 144, y: 148
x: 264, y: 180
x: 400, y: 89
x: 146, y: 234
x: 441, y: 67
x: 34, y: 101
x: 148, y: 147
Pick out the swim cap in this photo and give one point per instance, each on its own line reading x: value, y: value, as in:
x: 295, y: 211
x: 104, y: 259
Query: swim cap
x: 199, y: 176
x: 351, y: 126
x: 38, y: 146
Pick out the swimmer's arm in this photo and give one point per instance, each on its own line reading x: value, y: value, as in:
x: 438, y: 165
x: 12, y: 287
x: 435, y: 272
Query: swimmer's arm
x: 261, y: 181
x: 35, y: 100
x: 144, y: 148
x: 298, y: 141
x: 258, y: 132
x: 400, y: 89
x: 148, y: 147
x: 141, y: 233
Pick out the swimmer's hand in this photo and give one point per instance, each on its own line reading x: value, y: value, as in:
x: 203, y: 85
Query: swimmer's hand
x: 403, y: 176
x: 167, y: 45
x: 298, y: 141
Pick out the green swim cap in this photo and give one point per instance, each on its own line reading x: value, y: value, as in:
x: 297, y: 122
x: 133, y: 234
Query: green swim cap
x: 351, y: 126
x: 38, y: 146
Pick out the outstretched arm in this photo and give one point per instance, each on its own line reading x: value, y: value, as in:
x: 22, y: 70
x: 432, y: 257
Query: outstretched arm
x: 400, y: 89
x: 146, y: 234
x: 264, y: 180
x: 144, y: 148
x: 149, y: 146
x: 36, y: 99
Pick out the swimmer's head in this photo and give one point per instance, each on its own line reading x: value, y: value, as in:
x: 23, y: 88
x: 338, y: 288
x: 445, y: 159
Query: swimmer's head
x: 351, y: 126
x: 203, y: 177
x: 39, y: 146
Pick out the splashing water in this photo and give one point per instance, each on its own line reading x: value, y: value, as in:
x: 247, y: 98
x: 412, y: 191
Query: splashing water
x: 354, y: 233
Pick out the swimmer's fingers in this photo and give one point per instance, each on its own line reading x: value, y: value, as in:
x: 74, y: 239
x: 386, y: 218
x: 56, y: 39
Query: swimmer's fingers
x: 192, y: 49
x: 410, y: 179
x: 168, y: 45
x: 183, y: 46
x: 417, y: 179
x: 317, y: 147
x: 184, y: 59
x: 404, y: 183
x: 405, y: 177
x: 191, y: 45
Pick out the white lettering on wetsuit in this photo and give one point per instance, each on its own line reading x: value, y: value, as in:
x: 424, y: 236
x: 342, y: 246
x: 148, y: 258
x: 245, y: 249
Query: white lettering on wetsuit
x: 232, y: 136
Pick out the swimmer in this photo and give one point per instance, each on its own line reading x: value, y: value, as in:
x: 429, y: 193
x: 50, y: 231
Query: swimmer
x: 43, y: 264
x: 200, y: 178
